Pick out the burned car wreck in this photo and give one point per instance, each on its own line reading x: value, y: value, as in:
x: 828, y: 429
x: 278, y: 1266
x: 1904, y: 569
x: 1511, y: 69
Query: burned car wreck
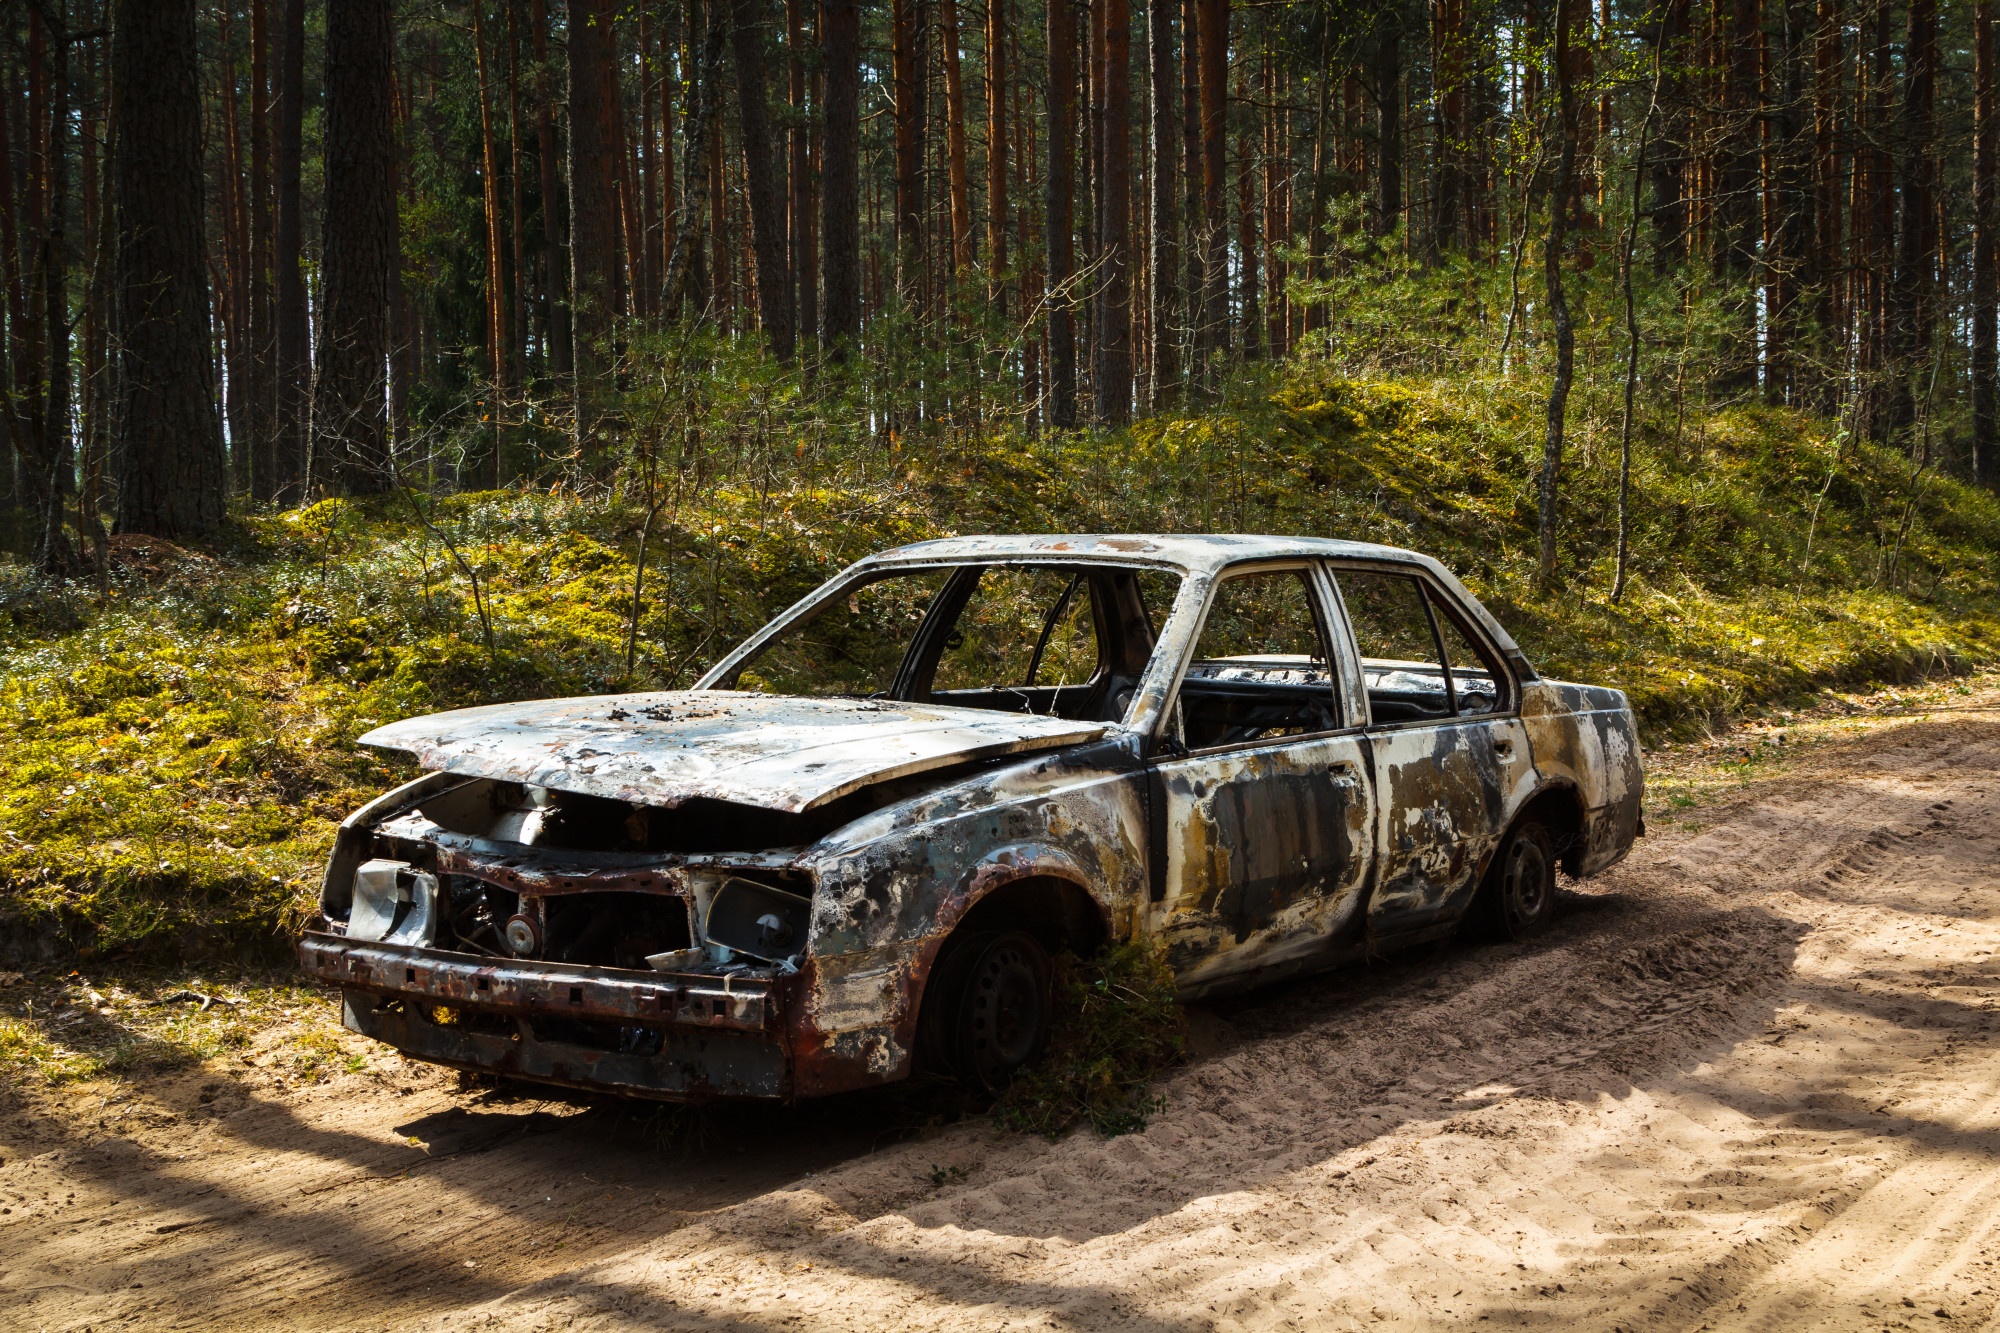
x: 854, y: 847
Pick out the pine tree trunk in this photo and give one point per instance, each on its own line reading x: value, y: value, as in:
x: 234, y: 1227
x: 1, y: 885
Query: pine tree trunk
x: 1670, y: 153
x: 516, y: 231
x: 1212, y: 40
x: 1985, y: 252
x: 263, y: 355
x: 293, y: 372
x: 1163, y: 283
x: 172, y: 472
x: 805, y: 269
x: 1249, y: 282
x: 498, y: 355
x: 350, y: 404
x: 1448, y: 168
x: 840, y: 175
x: 53, y: 553
x: 683, y: 269
x: 996, y: 154
x: 764, y: 169
x: 1389, y: 123
x: 1828, y: 260
x: 1914, y: 302
x: 555, y: 250
x: 906, y: 89
x: 954, y: 134
x: 1548, y: 489
x: 235, y: 298
x: 1058, y: 204
x: 1788, y: 200
x: 1114, y: 330
x: 596, y: 239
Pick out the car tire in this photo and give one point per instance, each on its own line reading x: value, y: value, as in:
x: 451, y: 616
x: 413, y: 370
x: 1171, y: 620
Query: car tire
x: 987, y: 1010
x: 1520, y: 896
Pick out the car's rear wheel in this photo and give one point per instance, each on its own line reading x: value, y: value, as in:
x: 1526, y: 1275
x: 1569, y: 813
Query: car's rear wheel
x: 988, y: 1010
x: 1521, y: 894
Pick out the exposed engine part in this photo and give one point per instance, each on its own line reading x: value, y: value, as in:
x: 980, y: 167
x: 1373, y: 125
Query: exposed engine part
x: 523, y: 936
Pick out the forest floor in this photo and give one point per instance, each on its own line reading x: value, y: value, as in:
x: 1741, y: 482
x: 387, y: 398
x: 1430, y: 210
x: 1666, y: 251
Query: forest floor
x: 1750, y: 1080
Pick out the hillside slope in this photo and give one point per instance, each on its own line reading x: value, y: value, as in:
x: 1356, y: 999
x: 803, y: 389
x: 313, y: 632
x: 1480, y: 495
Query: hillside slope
x: 180, y: 745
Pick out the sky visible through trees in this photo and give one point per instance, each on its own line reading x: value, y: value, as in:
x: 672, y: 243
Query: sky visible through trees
x: 274, y: 250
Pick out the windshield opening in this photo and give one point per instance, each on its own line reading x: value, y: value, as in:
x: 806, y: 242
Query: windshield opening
x: 1065, y: 641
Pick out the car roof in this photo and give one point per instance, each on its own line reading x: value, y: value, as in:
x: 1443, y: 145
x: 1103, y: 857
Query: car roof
x: 1194, y: 553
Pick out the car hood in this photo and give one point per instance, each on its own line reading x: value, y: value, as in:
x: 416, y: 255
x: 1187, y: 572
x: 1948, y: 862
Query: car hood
x: 668, y: 747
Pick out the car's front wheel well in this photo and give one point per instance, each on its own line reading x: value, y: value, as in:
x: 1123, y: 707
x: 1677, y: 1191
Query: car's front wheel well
x: 1055, y: 911
x: 1007, y: 937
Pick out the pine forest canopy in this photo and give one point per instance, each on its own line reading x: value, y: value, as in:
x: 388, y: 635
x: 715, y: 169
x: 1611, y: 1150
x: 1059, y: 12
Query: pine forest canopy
x: 280, y: 249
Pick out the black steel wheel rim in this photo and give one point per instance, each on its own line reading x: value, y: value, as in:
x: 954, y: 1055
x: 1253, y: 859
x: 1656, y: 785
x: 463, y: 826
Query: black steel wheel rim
x: 1529, y: 890
x: 1005, y: 1011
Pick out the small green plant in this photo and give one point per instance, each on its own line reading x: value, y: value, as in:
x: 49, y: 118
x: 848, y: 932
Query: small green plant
x: 1117, y: 1026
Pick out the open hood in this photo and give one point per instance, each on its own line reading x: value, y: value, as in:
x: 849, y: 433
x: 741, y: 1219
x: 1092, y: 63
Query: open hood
x: 663, y: 748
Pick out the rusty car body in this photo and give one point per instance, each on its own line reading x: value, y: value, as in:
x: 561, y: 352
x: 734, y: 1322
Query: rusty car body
x: 852, y: 849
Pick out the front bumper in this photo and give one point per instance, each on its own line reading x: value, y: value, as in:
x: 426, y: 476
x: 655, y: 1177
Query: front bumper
x: 677, y: 1036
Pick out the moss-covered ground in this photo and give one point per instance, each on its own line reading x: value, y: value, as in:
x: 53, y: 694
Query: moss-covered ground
x: 178, y: 743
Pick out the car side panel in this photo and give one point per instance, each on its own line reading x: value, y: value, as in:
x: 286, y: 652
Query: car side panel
x: 1584, y: 737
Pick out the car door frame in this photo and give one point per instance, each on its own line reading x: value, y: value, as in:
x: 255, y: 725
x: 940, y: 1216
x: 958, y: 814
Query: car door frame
x: 1308, y: 930
x: 1460, y: 770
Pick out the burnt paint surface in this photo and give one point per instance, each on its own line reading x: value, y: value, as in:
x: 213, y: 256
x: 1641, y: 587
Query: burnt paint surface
x: 1585, y: 738
x: 1267, y: 848
x: 1448, y: 790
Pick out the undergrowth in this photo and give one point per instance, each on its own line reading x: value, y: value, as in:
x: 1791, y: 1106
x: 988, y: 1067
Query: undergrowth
x: 1117, y: 1026
x: 180, y: 743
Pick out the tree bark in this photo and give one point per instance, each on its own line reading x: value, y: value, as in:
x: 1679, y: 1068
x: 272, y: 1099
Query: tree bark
x: 1914, y: 301
x: 53, y: 553
x: 1212, y: 41
x: 1248, y: 279
x: 293, y: 389
x: 804, y: 260
x: 906, y: 91
x: 1828, y: 261
x: 235, y: 297
x: 263, y: 363
x: 1448, y: 161
x: 1058, y: 203
x: 957, y: 183
x: 682, y: 268
x: 840, y: 175
x: 518, y: 331
x: 597, y: 278
x: 168, y: 442
x: 1389, y: 123
x: 498, y: 354
x: 765, y: 172
x: 1114, y: 331
x: 1985, y: 252
x: 350, y: 441
x: 1163, y: 283
x: 996, y: 153
x: 555, y: 249
x: 1548, y: 490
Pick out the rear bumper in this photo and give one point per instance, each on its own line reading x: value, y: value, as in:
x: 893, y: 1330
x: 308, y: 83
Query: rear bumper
x: 655, y: 1035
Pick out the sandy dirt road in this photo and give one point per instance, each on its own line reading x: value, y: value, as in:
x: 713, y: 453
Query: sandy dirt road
x: 1751, y: 1081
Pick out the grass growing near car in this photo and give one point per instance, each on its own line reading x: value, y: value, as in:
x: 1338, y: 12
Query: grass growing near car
x: 1117, y: 1026
x: 179, y: 747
